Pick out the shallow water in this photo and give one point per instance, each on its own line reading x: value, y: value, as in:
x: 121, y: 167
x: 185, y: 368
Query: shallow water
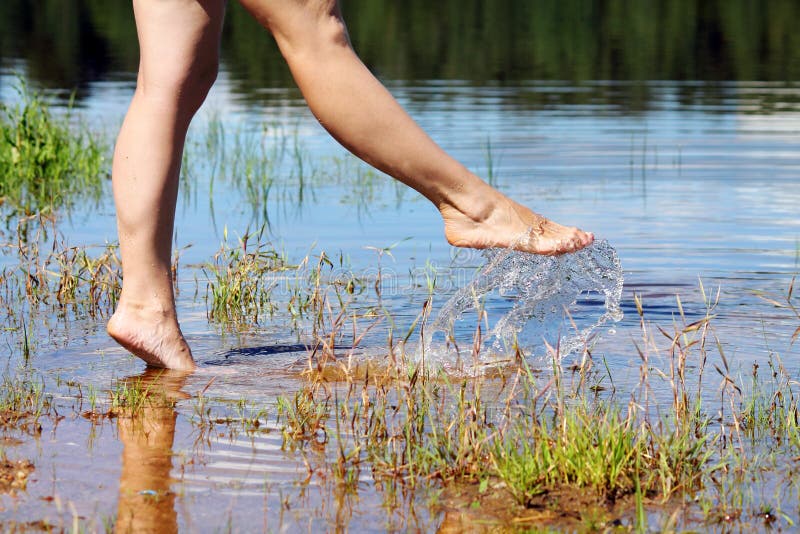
x: 539, y: 292
x: 685, y: 195
x: 699, y: 186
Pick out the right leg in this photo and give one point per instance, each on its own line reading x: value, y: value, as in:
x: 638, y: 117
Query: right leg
x: 179, y: 54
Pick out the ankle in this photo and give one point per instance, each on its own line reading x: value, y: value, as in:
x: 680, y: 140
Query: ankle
x: 152, y: 307
x: 477, y: 205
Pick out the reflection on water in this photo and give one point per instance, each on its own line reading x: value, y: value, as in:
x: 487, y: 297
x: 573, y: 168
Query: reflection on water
x: 73, y: 43
x: 146, y: 497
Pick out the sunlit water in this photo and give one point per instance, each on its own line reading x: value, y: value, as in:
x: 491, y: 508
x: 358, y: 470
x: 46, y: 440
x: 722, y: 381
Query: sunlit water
x: 682, y: 193
x: 686, y: 194
x: 539, y: 291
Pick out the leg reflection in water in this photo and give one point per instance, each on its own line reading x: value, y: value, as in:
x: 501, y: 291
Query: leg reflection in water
x: 147, y: 430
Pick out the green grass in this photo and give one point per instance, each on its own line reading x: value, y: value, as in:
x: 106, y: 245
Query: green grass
x: 594, y: 448
x: 520, y: 436
x: 23, y: 401
x: 46, y: 161
x: 415, y: 428
x: 523, y: 434
x: 53, y: 276
x: 239, y: 287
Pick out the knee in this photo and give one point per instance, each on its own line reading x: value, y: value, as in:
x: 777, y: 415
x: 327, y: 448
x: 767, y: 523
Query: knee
x: 179, y: 88
x: 198, y: 83
x: 309, y: 28
x: 203, y: 77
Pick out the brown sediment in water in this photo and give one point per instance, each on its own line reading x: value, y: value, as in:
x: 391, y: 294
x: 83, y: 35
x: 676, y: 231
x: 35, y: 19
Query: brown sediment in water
x: 465, y: 508
x: 14, y: 475
x: 24, y: 420
x: 382, y: 370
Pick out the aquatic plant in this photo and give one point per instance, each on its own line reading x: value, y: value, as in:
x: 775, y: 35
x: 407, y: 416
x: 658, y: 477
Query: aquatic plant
x: 248, y: 283
x: 785, y: 302
x: 264, y: 163
x: 538, y: 435
x: 514, y: 433
x: 23, y: 401
x: 595, y: 447
x: 47, y: 162
x: 303, y: 417
x: 64, y: 278
x: 238, y: 283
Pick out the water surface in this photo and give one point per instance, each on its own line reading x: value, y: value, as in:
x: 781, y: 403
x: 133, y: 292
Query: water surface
x: 692, y: 182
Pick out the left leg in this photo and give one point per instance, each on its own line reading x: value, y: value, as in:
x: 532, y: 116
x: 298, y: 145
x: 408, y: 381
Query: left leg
x: 364, y: 117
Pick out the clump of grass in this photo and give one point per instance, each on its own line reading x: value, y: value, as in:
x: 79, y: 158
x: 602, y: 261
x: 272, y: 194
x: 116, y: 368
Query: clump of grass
x: 22, y: 402
x: 240, y: 290
x: 155, y: 388
x: 246, y: 159
x: 771, y: 410
x: 266, y: 163
x: 130, y: 395
x: 46, y: 162
x: 593, y: 448
x: 414, y: 427
x: 92, y: 282
x: 786, y: 302
x: 246, y: 416
x: 304, y: 416
x: 61, y: 277
x: 248, y: 283
x: 425, y: 428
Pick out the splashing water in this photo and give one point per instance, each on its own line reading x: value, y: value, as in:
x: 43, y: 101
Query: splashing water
x: 543, y: 289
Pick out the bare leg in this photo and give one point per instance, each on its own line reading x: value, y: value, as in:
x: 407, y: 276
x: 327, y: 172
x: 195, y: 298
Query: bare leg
x: 179, y: 54
x: 363, y: 116
x: 179, y: 43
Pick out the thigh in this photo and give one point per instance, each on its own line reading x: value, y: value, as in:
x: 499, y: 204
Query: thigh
x: 178, y: 41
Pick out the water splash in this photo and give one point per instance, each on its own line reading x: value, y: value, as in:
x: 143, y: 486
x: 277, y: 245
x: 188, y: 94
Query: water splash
x: 544, y: 290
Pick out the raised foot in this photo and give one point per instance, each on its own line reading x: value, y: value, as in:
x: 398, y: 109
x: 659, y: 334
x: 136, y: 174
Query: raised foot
x: 508, y: 224
x: 155, y: 337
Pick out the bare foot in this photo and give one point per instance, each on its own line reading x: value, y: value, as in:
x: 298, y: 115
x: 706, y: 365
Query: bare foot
x: 501, y: 222
x: 153, y: 336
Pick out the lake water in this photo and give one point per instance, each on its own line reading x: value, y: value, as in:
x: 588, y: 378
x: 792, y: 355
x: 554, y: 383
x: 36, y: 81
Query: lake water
x: 697, y: 183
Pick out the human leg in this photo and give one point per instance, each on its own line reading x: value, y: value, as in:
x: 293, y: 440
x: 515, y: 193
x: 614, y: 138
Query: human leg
x: 363, y: 116
x: 179, y: 49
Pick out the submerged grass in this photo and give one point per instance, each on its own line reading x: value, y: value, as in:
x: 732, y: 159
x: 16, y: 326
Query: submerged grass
x: 23, y: 402
x: 51, y: 275
x: 239, y: 287
x: 549, y: 444
x: 539, y: 436
x: 46, y: 161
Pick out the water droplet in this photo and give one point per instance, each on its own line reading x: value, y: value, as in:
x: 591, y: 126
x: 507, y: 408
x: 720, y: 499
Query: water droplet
x: 542, y: 289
